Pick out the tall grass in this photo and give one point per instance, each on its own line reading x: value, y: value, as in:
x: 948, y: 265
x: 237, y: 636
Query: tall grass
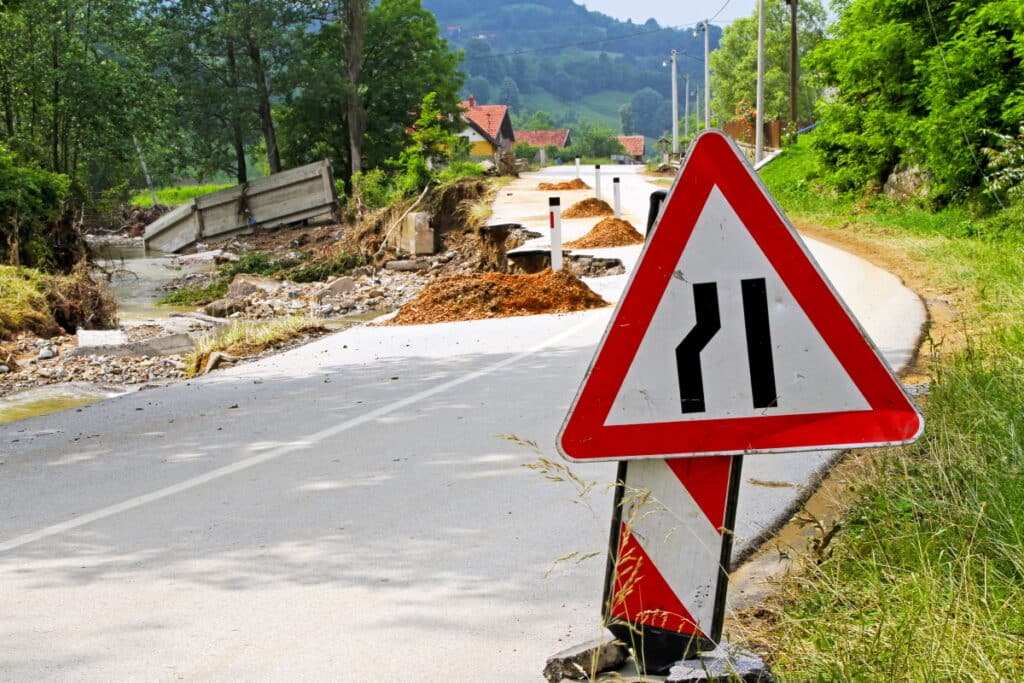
x: 926, y: 582
x: 174, y: 196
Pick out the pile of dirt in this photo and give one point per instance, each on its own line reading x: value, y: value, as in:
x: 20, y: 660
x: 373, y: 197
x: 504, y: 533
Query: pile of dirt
x: 575, y: 184
x: 588, y: 208
x: 610, y: 232
x: 497, y: 295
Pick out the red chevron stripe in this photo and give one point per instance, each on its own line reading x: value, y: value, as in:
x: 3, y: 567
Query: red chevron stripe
x: 707, y: 480
x: 642, y: 596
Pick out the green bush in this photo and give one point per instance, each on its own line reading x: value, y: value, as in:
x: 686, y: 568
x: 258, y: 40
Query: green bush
x: 31, y: 199
x: 459, y: 169
x: 372, y: 189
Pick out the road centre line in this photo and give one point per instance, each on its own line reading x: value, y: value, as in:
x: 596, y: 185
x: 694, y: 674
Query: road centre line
x: 247, y: 463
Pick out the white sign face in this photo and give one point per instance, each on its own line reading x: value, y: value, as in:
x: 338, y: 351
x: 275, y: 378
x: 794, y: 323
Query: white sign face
x: 729, y: 339
x: 807, y: 376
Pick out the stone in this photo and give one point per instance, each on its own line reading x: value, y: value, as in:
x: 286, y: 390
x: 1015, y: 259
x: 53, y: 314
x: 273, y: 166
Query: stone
x: 578, y: 662
x: 245, y: 284
x: 338, y: 287
x: 724, y: 664
x: 408, y: 265
x: 4, y: 370
x: 222, y: 308
x: 46, y: 352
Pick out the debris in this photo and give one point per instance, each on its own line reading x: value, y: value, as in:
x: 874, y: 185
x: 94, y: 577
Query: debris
x: 215, y: 359
x: 574, y: 184
x: 610, y: 232
x: 245, y: 284
x: 588, y: 208
x: 724, y: 663
x: 592, y: 657
x: 497, y: 295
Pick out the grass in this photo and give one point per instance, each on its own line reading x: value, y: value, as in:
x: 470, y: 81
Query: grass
x: 43, y: 304
x: 23, y: 303
x: 927, y: 578
x: 249, y: 337
x: 174, y: 196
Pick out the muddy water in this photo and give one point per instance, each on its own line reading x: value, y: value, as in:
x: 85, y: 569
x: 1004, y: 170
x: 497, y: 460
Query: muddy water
x: 138, y: 277
x: 51, y: 399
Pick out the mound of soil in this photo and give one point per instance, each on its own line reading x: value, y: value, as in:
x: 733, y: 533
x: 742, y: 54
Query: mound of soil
x: 497, y: 295
x: 574, y: 184
x: 610, y: 232
x: 588, y: 208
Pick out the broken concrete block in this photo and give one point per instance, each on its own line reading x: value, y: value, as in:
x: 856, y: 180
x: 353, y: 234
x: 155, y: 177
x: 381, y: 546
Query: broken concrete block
x: 222, y: 308
x: 417, y: 235
x: 725, y: 663
x: 592, y: 657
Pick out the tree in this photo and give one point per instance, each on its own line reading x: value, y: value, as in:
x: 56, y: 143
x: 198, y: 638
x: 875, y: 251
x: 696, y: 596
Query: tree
x: 920, y: 88
x: 354, y: 16
x: 479, y: 88
x: 626, y: 118
x: 404, y: 59
x: 509, y: 95
x: 645, y: 107
x: 595, y: 141
x: 734, y: 63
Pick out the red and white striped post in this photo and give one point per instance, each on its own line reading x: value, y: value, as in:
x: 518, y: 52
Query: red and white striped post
x: 617, y: 194
x: 664, y: 603
x: 597, y: 181
x: 555, y: 219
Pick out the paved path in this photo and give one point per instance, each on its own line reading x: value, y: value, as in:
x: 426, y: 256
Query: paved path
x: 356, y: 509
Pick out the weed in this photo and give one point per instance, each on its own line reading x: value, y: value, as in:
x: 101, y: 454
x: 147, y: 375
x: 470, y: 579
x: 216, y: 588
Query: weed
x: 249, y: 337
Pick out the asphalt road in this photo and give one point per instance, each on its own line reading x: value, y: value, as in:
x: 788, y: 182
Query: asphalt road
x: 357, y: 509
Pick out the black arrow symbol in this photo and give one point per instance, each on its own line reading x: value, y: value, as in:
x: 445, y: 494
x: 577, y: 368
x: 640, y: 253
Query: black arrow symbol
x: 691, y: 379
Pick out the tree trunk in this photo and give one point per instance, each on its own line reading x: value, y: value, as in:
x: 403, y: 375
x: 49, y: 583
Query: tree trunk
x: 266, y: 115
x: 354, y: 15
x: 237, y: 134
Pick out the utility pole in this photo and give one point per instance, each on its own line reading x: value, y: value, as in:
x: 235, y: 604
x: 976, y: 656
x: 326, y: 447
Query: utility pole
x: 793, y: 64
x: 675, y: 107
x: 707, y: 75
x: 759, y: 107
x: 686, y: 117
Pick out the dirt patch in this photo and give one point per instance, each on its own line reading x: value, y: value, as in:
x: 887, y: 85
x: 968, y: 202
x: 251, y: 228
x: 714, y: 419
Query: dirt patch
x: 610, y: 232
x: 497, y: 295
x: 575, y: 184
x: 588, y: 208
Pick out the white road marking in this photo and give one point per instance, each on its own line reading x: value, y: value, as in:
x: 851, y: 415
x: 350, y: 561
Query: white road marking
x: 220, y: 472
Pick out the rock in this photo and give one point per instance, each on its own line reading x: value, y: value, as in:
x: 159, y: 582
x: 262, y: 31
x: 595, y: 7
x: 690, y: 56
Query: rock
x: 337, y: 287
x: 724, y: 663
x: 222, y: 308
x: 46, y: 352
x: 245, y: 284
x: 578, y: 662
x: 4, y: 370
x: 408, y: 265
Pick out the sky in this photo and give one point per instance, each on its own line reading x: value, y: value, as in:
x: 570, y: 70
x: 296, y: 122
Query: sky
x: 673, y: 12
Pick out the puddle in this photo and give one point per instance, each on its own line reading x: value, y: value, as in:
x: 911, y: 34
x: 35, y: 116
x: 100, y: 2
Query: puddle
x: 51, y: 399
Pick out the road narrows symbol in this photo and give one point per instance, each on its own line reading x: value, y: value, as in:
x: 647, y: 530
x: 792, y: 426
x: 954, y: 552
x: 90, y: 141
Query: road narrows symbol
x: 709, y: 322
x: 759, y: 343
x: 691, y: 379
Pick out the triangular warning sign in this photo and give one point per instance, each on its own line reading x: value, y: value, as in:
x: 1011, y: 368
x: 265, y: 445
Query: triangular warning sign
x: 729, y: 339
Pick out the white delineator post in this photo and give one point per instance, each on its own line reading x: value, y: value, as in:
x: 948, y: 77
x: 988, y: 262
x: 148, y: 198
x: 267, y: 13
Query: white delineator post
x: 597, y: 181
x: 577, y: 168
x: 555, y: 218
x: 617, y: 194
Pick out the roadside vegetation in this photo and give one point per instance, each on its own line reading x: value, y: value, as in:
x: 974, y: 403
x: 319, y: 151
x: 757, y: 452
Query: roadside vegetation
x: 175, y: 196
x: 925, y: 580
x: 245, y: 338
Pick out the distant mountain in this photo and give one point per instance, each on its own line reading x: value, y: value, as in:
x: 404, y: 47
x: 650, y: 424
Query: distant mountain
x: 573, y: 63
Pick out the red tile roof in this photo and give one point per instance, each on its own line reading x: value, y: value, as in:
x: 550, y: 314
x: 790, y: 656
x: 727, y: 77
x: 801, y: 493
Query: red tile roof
x: 487, y: 117
x: 543, y: 138
x: 634, y: 144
